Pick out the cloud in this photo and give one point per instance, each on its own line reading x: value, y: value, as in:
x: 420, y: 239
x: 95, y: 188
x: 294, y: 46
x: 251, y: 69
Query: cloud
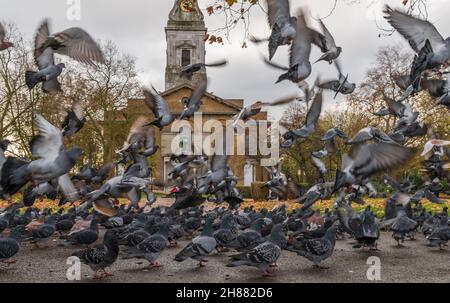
x: 137, y: 27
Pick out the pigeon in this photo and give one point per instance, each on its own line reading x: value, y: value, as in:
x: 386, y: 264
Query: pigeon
x: 102, y: 255
x: 339, y: 86
x: 369, y: 159
x: 310, y: 124
x: 332, y: 51
x: 318, y: 249
x: 83, y: 237
x: 299, y: 64
x: 431, y: 48
x: 44, y: 189
x: 73, y: 42
x: 159, y: 107
x: 363, y: 226
x: 200, y: 247
x: 283, y: 26
x: 370, y: 133
x: 440, y: 235
x: 252, y: 110
x: 251, y: 236
x: 194, y: 102
x: 224, y: 235
x: 74, y: 120
x: 433, y: 144
x: 263, y: 255
x: 52, y: 161
x: 42, y: 233
x: 141, y: 136
x: 189, y: 70
x: 4, y: 45
x: 151, y: 247
x: 10, y: 245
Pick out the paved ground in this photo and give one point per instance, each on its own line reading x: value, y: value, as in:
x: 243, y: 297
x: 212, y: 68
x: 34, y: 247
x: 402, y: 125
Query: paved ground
x: 412, y: 263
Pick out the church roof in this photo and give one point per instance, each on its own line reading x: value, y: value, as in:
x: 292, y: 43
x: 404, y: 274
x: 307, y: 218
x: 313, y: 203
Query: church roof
x: 230, y: 103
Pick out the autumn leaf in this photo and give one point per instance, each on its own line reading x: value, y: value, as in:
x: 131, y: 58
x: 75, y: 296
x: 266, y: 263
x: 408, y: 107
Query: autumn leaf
x: 210, y: 10
x: 230, y: 2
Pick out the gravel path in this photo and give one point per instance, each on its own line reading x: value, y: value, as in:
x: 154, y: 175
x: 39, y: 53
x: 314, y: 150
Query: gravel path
x: 412, y: 263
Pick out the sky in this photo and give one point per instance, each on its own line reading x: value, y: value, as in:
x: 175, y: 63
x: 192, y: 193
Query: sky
x: 137, y: 27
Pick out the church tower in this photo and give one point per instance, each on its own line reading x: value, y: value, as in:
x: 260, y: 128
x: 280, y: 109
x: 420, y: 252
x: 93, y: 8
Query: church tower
x: 185, y: 34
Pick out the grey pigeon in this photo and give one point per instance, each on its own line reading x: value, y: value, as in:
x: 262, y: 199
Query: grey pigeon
x: 102, y: 255
x: 310, y: 124
x: 194, y: 102
x: 151, y: 247
x: 4, y: 45
x: 332, y: 51
x: 339, y: 86
x: 141, y: 136
x: 52, y: 161
x: 281, y: 23
x: 159, y: 107
x: 318, y: 249
x: 263, y: 255
x: 431, y: 48
x: 299, y: 63
x: 73, y: 42
x: 83, y: 237
x: 189, y: 70
x: 10, y: 246
x: 200, y: 247
x: 369, y: 159
x: 74, y: 120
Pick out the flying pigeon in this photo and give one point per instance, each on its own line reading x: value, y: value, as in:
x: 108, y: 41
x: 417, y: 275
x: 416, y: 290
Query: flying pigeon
x: 52, y: 160
x: 74, y: 120
x: 310, y: 124
x: 159, y: 107
x: 4, y: 45
x: 332, y: 51
x: 189, y: 70
x: 73, y: 42
x: 431, y: 48
x: 194, y: 102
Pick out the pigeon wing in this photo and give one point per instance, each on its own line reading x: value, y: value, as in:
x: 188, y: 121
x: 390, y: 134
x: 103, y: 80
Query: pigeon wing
x: 156, y: 103
x: 278, y: 10
x: 79, y: 45
x: 415, y: 30
x: 380, y: 157
x: 314, y: 112
x: 49, y: 142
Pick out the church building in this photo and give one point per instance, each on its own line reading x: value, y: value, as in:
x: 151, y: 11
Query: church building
x: 185, y: 34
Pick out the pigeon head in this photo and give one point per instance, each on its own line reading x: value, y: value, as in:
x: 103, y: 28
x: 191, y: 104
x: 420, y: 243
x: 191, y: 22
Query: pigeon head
x: 61, y: 65
x: 74, y: 154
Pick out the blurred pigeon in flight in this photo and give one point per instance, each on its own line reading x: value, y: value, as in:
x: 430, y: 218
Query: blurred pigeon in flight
x: 158, y: 105
x: 189, y: 70
x: 4, y: 45
x: 74, y: 120
x: 332, y: 51
x: 193, y: 104
x: 310, y: 124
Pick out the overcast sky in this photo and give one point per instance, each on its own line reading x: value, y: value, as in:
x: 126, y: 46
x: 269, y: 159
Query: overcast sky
x: 137, y: 27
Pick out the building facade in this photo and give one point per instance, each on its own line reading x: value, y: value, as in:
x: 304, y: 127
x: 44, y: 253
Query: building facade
x: 185, y: 34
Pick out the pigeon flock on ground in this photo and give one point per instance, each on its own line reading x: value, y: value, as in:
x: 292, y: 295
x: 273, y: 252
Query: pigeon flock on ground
x: 258, y: 238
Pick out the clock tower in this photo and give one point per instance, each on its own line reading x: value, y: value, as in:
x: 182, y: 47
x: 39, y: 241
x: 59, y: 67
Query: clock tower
x: 185, y: 34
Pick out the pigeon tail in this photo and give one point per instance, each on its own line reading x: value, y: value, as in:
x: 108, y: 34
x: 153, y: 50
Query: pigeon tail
x: 31, y: 79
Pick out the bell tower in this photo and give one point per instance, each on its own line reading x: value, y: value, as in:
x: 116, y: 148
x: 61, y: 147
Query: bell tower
x: 185, y: 32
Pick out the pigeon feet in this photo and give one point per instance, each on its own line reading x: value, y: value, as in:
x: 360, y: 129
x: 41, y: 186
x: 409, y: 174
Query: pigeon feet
x: 267, y: 274
x: 9, y: 261
x: 154, y: 265
x: 320, y: 266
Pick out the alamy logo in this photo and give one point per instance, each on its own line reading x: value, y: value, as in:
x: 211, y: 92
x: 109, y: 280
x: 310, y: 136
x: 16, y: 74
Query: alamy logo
x: 74, y: 10
x: 73, y: 273
x: 374, y: 271
x: 251, y: 138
